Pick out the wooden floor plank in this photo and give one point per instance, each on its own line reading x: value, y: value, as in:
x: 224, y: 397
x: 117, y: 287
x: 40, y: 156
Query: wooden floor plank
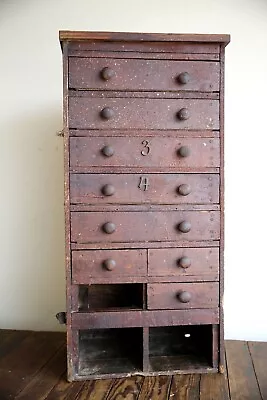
x: 95, y: 390
x: 64, y: 390
x: 10, y: 340
x: 258, y: 351
x: 214, y: 387
x: 126, y: 388
x: 242, y: 380
x: 155, y: 387
x: 185, y: 387
x: 44, y: 381
x: 19, y: 366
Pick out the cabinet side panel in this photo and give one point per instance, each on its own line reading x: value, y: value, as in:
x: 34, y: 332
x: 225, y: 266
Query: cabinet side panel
x: 221, y: 329
x: 72, y: 341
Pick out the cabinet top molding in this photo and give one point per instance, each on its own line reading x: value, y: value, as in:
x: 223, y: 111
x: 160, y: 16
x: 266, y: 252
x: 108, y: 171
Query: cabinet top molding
x: 143, y: 37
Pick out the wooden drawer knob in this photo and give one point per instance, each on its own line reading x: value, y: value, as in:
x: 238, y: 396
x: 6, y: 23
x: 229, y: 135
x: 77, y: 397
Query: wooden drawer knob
x: 184, y: 151
x: 183, y: 78
x: 184, y: 227
x: 184, y: 189
x: 184, y: 262
x: 107, y: 151
x: 108, y: 190
x: 109, y: 264
x: 184, y: 297
x: 109, y: 227
x: 183, y: 114
x: 107, y: 113
x: 107, y: 73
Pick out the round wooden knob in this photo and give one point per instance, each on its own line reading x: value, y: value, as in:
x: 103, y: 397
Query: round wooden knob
x: 109, y: 227
x: 184, y: 297
x: 107, y: 73
x: 184, y: 189
x: 184, y: 227
x: 109, y: 264
x: 183, y: 78
x: 107, y: 113
x: 183, y: 114
x: 107, y: 151
x: 108, y: 190
x: 184, y: 151
x: 184, y: 262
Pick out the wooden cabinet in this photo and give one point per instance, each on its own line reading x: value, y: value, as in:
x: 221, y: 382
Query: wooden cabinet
x: 143, y: 134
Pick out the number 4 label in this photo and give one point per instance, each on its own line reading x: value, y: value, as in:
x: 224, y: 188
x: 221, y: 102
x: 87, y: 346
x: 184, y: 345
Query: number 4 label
x: 143, y: 183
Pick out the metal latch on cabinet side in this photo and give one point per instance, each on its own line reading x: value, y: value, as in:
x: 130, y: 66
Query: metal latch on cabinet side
x: 61, y: 317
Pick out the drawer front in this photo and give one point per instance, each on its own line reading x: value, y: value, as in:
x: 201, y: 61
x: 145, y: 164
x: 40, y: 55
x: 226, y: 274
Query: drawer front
x: 145, y: 188
x: 149, y: 152
x: 136, y: 113
x: 182, y: 295
x: 134, y: 74
x: 144, y: 226
x: 184, y: 262
x: 107, y: 264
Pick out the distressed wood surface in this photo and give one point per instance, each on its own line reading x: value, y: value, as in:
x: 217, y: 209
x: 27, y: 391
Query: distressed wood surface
x: 87, y: 265
x: 85, y: 73
x: 145, y: 318
x: 167, y: 262
x: 167, y: 295
x: 144, y: 188
x: 137, y: 113
x: 149, y: 152
x: 153, y: 226
x: 136, y: 36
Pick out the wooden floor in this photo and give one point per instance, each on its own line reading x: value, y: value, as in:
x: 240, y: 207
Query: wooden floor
x: 33, y: 366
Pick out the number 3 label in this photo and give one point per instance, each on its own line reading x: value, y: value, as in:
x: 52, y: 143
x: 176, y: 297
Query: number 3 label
x: 146, y: 149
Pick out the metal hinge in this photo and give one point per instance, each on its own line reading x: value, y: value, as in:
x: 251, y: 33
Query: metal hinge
x: 60, y: 133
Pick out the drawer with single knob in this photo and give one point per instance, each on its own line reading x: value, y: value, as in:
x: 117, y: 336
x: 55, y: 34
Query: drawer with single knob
x: 142, y: 113
x: 184, y: 263
x: 139, y: 226
x: 137, y: 74
x: 144, y: 188
x: 182, y: 295
x: 107, y: 264
x: 148, y: 152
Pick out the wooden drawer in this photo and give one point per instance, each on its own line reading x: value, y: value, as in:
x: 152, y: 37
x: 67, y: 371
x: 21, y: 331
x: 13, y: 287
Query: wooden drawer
x: 104, y: 264
x: 181, y: 263
x: 136, y: 74
x: 149, y: 152
x: 142, y: 113
x: 144, y: 188
x: 182, y: 295
x: 144, y: 226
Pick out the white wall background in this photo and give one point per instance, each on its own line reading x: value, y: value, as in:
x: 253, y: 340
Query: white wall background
x: 31, y: 155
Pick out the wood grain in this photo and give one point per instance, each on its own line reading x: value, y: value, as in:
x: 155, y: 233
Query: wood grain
x: 214, y: 387
x: 258, y: 352
x: 185, y: 387
x: 156, y: 387
x: 126, y: 388
x: 16, y: 372
x: 43, y: 382
x: 242, y: 380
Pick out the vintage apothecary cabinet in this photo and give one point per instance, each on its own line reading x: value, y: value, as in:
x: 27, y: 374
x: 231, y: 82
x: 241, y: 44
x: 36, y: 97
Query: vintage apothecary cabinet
x: 143, y: 134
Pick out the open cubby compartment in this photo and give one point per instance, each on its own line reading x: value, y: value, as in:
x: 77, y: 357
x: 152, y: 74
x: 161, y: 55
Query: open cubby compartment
x: 181, y: 348
x: 111, y: 296
x: 110, y: 351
